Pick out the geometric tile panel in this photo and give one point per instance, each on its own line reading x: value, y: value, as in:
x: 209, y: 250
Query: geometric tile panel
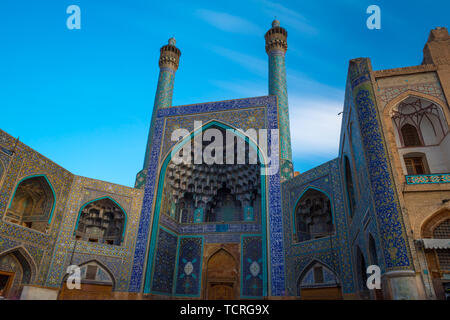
x: 388, y: 213
x: 252, y: 273
x: 164, y: 266
x: 189, y: 273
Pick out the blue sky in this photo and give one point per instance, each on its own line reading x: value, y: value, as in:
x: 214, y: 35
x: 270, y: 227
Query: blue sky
x: 83, y: 98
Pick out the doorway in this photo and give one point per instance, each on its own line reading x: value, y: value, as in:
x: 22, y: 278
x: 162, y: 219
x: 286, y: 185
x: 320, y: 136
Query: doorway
x: 6, y: 280
x: 222, y: 276
x: 221, y: 291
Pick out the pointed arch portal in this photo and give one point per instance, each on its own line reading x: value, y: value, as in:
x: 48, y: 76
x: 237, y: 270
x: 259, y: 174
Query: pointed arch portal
x: 238, y: 113
x: 17, y: 268
x: 159, y: 196
x: 32, y: 203
x: 222, y: 276
x: 318, y: 282
x: 97, y: 283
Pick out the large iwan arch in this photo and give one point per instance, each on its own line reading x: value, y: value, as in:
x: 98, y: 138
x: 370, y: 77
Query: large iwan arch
x: 150, y: 266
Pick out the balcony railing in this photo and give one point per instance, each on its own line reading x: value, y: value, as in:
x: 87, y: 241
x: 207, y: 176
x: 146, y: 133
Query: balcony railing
x: 428, y: 178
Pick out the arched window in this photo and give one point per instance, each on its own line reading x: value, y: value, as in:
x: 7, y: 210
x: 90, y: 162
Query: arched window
x: 373, y: 250
x: 17, y: 268
x: 32, y: 204
x: 101, y: 221
x: 349, y: 185
x: 415, y: 163
x: 96, y: 281
x: 318, y: 282
x: 93, y: 272
x: 313, y: 217
x: 442, y: 231
x: 419, y: 122
x: 410, y: 136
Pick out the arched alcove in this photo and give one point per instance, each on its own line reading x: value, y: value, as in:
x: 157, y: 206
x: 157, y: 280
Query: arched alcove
x: 420, y: 126
x: 32, y: 204
x: 102, y: 220
x: 186, y: 182
x: 17, y: 268
x: 96, y: 283
x: 433, y: 221
x: 313, y: 216
x: 317, y: 281
x: 437, y: 228
x: 442, y: 231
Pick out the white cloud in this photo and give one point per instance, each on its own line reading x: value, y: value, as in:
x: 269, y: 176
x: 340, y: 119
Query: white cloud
x: 315, y: 126
x: 299, y: 84
x: 314, y: 121
x: 251, y: 63
x: 228, y: 22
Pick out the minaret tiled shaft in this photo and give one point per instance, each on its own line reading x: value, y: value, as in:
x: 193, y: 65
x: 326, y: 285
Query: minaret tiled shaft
x: 276, y: 47
x: 168, y: 64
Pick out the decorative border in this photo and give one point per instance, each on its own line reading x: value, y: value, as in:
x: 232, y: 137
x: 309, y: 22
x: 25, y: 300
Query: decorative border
x: 274, y: 199
x: 388, y: 212
x: 428, y: 178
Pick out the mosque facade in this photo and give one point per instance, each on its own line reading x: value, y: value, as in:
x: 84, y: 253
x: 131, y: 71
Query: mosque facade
x: 249, y: 229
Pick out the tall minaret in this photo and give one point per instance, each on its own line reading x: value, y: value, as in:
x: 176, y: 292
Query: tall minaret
x: 168, y: 65
x: 276, y: 47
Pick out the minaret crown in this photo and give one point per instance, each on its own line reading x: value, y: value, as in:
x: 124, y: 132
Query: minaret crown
x: 276, y: 38
x: 170, y: 55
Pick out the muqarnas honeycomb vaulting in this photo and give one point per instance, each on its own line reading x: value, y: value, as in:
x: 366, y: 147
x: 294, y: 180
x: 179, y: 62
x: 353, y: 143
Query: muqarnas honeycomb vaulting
x: 229, y: 231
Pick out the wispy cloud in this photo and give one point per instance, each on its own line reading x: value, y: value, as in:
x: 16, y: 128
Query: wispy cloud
x: 299, y: 84
x: 251, y: 63
x: 289, y: 17
x: 314, y: 120
x: 315, y: 126
x: 313, y: 106
x: 228, y: 22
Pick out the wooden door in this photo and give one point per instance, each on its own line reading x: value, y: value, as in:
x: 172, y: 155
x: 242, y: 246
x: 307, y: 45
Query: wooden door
x: 222, y: 276
x: 87, y: 292
x: 330, y: 293
x: 221, y: 291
